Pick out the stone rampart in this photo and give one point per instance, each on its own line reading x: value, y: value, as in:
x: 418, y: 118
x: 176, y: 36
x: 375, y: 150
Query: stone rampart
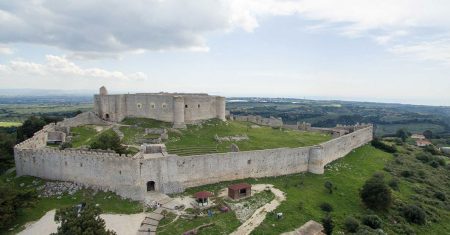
x: 128, y: 176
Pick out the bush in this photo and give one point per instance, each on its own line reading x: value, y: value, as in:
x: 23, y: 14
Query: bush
x: 375, y: 194
x: 385, y: 147
x: 440, y: 195
x: 81, y: 219
x: 11, y: 201
x: 407, y: 173
x: 329, y: 186
x: 328, y: 225
x: 423, y: 157
x: 414, y: 214
x: 372, y: 221
x: 351, y: 224
x: 327, y: 207
x: 393, y: 183
x: 109, y: 140
x: 434, y: 164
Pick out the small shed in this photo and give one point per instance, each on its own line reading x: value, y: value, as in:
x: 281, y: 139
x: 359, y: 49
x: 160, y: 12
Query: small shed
x: 202, y: 197
x: 237, y: 191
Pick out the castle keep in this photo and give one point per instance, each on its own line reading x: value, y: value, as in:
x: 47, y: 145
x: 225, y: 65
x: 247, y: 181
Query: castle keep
x: 178, y: 108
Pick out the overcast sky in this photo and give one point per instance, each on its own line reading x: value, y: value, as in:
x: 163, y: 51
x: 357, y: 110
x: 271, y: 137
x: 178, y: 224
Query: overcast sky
x: 384, y: 50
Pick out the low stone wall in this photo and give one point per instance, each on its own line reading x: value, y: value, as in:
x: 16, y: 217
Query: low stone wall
x: 128, y: 175
x: 272, y: 122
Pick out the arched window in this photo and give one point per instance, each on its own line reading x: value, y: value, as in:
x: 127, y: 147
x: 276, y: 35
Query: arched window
x: 152, y: 105
x: 198, y: 105
x: 106, y: 116
x: 139, y: 105
x: 150, y: 186
x: 186, y: 106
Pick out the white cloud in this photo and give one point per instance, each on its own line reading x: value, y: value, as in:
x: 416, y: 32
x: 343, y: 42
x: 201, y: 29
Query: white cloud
x: 437, y: 50
x: 99, y: 29
x: 60, y: 69
x: 6, y: 50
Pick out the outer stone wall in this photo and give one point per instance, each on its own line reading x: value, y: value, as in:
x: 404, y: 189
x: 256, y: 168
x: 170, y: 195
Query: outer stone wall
x: 128, y: 175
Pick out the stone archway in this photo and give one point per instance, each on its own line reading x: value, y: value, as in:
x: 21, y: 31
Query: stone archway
x: 107, y: 116
x: 150, y: 186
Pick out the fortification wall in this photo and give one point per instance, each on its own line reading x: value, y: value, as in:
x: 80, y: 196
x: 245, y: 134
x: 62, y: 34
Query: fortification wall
x: 273, y: 122
x: 178, y: 172
x: 127, y: 176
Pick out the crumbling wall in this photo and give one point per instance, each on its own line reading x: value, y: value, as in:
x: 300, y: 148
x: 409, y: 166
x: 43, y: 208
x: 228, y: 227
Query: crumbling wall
x: 272, y: 121
x: 86, y: 118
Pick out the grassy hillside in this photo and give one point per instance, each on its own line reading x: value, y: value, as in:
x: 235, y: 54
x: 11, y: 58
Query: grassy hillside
x: 305, y: 192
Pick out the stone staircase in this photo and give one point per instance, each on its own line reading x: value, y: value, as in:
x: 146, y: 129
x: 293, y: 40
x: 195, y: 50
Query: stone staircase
x: 151, y: 221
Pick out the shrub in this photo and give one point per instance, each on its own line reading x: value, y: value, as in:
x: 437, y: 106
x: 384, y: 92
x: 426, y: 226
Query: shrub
x: 393, y: 183
x: 440, y: 195
x: 327, y: 207
x: 329, y: 186
x: 351, y: 224
x: 385, y: 147
x: 423, y: 157
x: 375, y: 194
x: 328, y: 225
x: 407, y: 173
x: 81, y: 219
x: 109, y: 140
x: 434, y: 164
x: 414, y: 214
x: 372, y: 221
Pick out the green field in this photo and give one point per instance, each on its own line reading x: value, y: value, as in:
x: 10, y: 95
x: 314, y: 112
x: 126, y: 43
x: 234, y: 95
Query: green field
x: 10, y: 124
x: 83, y: 135
x: 194, y: 138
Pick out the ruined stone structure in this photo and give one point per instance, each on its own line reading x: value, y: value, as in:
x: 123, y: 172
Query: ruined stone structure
x: 271, y: 121
x: 154, y: 169
x: 178, y: 108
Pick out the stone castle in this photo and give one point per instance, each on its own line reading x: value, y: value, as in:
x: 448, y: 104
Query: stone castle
x: 147, y: 171
x: 179, y: 108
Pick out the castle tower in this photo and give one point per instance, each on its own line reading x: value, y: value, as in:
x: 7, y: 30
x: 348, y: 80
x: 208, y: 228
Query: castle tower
x: 220, y: 108
x: 103, y: 91
x: 178, y: 112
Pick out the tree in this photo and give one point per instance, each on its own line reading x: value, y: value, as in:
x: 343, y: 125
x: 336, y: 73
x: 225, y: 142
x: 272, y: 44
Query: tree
x: 328, y: 225
x: 11, y: 201
x: 329, y: 186
x: 375, y: 194
x: 29, y: 127
x: 402, y: 134
x: 81, y: 219
x: 428, y: 134
x: 351, y: 224
x: 372, y: 221
x: 108, y: 140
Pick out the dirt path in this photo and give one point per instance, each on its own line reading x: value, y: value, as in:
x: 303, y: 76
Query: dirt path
x: 121, y: 224
x: 260, y: 214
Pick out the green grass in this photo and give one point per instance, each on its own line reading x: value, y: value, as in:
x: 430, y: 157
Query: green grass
x: 259, y: 138
x: 83, y: 135
x: 224, y: 223
x: 108, y: 201
x: 10, y: 124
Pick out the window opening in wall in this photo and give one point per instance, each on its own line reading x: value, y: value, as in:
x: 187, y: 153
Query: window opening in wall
x: 81, y: 164
x: 198, y: 105
x: 139, y: 105
x: 106, y: 116
x: 186, y: 106
x: 65, y: 163
x: 164, y: 106
x: 249, y: 161
x: 150, y: 186
x: 152, y: 106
